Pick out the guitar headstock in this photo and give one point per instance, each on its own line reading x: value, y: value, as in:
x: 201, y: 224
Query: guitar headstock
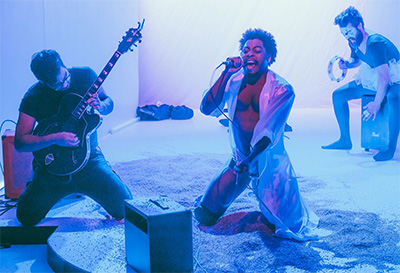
x: 132, y: 37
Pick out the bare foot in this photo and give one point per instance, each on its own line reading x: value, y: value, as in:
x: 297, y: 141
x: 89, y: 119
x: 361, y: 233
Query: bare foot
x: 339, y: 145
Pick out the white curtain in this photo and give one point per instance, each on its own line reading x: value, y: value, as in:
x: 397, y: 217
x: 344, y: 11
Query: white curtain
x: 184, y: 40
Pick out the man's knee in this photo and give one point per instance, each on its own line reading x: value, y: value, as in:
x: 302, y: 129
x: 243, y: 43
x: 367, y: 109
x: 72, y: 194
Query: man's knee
x: 26, y: 217
x: 339, y: 95
x: 205, y: 216
x: 393, y: 98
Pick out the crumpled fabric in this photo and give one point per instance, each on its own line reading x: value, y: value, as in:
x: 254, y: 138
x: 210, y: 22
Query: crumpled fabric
x: 275, y: 183
x: 368, y: 77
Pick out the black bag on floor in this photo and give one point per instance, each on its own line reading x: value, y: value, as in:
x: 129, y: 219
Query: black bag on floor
x: 154, y: 112
x: 181, y: 112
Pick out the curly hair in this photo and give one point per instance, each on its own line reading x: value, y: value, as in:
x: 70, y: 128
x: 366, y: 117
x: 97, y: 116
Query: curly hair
x: 262, y: 35
x: 46, y: 65
x: 350, y: 15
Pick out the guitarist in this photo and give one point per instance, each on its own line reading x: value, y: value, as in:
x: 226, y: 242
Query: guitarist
x: 96, y: 179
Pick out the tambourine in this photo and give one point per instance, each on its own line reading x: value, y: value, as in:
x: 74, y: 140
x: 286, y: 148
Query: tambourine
x: 330, y: 73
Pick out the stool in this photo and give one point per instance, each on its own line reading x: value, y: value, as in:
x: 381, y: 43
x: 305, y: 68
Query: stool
x: 375, y: 134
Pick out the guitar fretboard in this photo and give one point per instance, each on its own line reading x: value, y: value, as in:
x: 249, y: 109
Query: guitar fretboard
x: 82, y: 105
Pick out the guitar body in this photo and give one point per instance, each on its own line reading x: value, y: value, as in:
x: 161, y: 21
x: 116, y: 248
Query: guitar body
x: 60, y: 160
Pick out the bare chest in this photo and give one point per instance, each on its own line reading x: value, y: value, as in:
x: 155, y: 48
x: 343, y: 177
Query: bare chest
x: 249, y: 97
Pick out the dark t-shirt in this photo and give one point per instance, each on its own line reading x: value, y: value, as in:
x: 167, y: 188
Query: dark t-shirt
x: 379, y: 51
x: 42, y: 102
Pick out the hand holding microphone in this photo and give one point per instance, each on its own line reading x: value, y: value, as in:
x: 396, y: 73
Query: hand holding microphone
x: 234, y: 63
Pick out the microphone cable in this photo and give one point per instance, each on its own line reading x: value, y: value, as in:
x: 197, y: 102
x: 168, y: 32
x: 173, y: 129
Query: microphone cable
x: 238, y: 171
x: 220, y: 110
x: 241, y: 132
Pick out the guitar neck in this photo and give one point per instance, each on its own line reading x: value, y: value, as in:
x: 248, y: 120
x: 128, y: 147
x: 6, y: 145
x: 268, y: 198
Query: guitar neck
x: 82, y: 105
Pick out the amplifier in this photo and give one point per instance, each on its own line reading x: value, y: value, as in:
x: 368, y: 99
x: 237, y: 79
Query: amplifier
x: 158, y: 235
x: 17, y: 167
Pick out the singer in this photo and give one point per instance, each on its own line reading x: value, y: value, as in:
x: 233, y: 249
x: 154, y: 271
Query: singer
x: 379, y: 62
x: 259, y: 102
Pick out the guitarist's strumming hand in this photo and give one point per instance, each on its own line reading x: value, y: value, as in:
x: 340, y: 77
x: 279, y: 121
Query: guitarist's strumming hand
x: 26, y: 141
x: 66, y: 139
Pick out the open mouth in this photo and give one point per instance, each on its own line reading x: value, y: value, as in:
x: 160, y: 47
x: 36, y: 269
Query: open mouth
x: 251, y: 64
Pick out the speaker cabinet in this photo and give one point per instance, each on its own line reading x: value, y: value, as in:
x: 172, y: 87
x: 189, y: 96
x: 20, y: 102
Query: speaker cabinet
x: 17, y: 167
x: 375, y: 133
x: 158, y: 235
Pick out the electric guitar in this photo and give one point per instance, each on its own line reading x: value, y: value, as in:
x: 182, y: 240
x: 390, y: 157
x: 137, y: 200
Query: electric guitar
x: 72, y: 116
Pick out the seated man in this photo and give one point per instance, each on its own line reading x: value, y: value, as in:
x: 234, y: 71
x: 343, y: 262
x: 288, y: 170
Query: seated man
x: 42, y: 101
x: 378, y: 75
x: 259, y: 102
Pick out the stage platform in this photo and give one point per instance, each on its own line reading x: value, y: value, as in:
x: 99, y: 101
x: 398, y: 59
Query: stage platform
x: 79, y: 237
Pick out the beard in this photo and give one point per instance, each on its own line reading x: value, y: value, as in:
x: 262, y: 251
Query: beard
x: 358, y: 40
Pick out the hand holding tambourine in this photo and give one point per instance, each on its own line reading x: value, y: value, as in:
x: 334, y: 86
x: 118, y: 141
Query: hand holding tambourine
x: 341, y: 65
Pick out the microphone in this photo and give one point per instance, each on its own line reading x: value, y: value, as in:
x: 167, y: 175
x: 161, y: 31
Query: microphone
x: 231, y: 64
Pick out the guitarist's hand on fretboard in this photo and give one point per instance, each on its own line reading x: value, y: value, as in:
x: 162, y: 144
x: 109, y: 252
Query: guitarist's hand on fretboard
x: 95, y: 102
x: 101, y: 102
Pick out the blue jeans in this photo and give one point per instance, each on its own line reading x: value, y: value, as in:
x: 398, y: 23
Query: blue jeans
x: 224, y: 189
x: 96, y: 180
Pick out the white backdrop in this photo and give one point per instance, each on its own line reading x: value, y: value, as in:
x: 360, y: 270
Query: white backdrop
x: 183, y: 41
x: 186, y: 39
